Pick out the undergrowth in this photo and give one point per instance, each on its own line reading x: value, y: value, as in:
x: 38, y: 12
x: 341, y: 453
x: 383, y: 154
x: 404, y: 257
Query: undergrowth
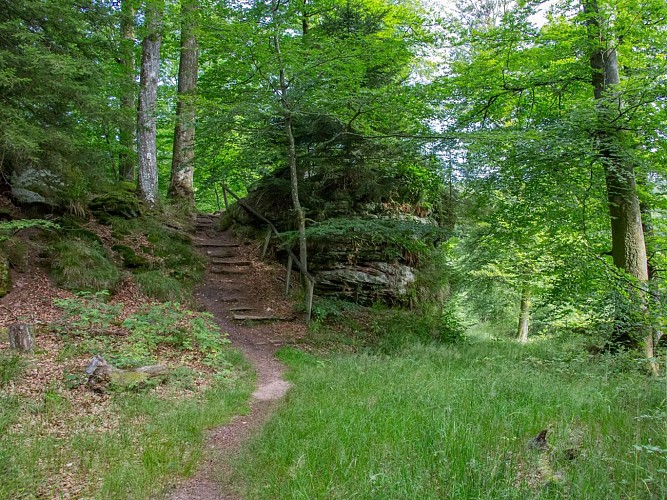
x: 381, y: 329
x: 457, y: 421
x: 130, y: 442
x: 82, y: 265
x: 11, y: 366
x: 160, y: 286
x: 163, y: 260
x: 99, y: 327
x: 398, y: 239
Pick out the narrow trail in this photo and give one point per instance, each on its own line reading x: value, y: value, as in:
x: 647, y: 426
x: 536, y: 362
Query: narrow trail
x: 237, y: 285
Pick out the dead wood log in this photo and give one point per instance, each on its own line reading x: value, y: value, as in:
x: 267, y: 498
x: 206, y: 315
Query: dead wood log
x: 20, y: 337
x: 101, y: 374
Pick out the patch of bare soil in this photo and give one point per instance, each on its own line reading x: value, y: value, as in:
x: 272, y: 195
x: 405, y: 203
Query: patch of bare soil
x: 237, y: 282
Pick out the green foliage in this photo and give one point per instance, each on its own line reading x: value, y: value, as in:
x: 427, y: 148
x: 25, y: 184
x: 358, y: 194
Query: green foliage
x: 54, y: 105
x: 327, y: 308
x: 168, y: 267
x: 455, y: 421
x: 348, y: 72
x: 17, y: 253
x: 82, y: 266
x: 130, y: 257
x: 88, y: 311
x: 170, y: 324
x: 398, y: 239
x: 383, y: 330
x: 90, y: 316
x: 9, y: 228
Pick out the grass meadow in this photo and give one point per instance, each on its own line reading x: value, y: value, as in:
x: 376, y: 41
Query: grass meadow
x: 458, y: 421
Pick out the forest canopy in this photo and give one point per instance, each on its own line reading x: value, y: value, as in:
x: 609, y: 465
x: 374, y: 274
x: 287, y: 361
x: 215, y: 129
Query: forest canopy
x: 533, y: 131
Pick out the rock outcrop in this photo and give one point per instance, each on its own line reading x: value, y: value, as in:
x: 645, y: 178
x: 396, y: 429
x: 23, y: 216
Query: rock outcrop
x: 366, y: 237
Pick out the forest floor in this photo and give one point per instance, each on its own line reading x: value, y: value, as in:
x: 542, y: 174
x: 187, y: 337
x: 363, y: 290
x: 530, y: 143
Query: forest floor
x: 60, y: 439
x: 237, y: 284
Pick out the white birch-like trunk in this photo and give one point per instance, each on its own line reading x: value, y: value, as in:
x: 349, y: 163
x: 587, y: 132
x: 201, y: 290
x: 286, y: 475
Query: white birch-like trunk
x: 524, y: 316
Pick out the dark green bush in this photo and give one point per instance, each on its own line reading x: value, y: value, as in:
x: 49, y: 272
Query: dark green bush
x: 83, y: 266
x: 160, y: 286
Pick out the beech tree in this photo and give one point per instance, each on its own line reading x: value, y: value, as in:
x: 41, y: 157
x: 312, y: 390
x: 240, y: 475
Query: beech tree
x: 182, y: 166
x: 147, y: 185
x: 548, y: 109
x: 628, y: 247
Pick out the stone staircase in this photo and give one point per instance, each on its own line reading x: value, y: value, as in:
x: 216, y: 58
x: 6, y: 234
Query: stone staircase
x: 228, y: 272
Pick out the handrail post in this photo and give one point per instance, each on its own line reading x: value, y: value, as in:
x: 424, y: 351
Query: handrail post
x: 289, y: 275
x: 309, y: 299
x: 267, y: 240
x: 224, y: 196
x: 217, y: 196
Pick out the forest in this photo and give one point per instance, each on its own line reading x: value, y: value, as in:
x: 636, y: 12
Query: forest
x: 435, y: 231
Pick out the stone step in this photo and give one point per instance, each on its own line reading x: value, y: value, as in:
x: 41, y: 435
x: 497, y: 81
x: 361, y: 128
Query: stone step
x: 250, y: 317
x: 241, y: 308
x: 227, y: 270
x: 215, y: 244
x: 224, y: 262
x: 221, y: 255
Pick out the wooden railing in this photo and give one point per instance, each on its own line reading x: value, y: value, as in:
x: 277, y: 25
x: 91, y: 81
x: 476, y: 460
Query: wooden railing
x: 291, y: 257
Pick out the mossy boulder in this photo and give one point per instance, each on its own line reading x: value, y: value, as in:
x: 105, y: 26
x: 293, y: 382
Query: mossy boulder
x: 130, y: 258
x: 17, y: 253
x: 118, y: 203
x: 369, y: 226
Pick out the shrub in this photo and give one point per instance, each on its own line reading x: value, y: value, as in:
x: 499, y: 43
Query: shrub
x: 160, y: 286
x: 83, y: 266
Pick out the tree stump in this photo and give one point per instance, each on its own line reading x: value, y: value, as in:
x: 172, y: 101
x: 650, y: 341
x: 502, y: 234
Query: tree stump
x: 20, y: 337
x: 102, y: 375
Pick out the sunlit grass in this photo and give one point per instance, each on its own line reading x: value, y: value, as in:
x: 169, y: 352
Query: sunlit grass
x: 455, y: 422
x: 153, y: 440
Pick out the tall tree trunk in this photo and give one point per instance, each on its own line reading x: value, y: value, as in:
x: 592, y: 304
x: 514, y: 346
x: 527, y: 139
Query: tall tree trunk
x: 147, y: 186
x: 524, y: 316
x: 127, y: 158
x: 182, y: 165
x: 305, y: 18
x: 654, y: 298
x: 627, y: 234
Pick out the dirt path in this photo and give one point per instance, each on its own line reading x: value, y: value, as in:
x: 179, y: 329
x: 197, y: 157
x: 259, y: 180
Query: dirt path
x: 236, y: 283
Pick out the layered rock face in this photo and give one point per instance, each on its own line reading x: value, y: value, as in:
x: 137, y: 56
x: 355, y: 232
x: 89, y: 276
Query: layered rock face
x: 365, y: 242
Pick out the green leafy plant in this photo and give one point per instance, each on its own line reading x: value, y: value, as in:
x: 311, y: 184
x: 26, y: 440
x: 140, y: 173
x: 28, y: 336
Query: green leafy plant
x: 397, y: 239
x: 88, y: 312
x: 9, y: 228
x: 168, y: 324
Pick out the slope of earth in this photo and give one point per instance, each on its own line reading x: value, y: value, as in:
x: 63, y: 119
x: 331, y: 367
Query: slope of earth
x: 247, y: 301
